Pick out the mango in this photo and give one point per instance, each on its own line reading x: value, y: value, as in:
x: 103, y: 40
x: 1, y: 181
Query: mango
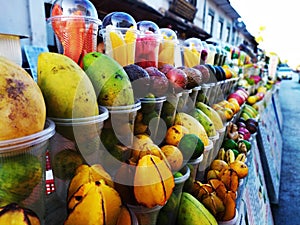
x: 110, y: 81
x: 22, y: 105
x: 67, y: 90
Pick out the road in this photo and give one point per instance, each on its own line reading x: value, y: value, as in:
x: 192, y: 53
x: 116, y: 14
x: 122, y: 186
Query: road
x: 287, y: 210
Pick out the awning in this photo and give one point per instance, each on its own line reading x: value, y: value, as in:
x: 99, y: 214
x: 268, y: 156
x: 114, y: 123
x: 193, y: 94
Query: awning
x: 141, y: 11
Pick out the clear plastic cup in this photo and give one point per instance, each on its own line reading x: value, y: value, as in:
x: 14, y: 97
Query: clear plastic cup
x: 183, y: 100
x: 169, y: 108
x: 232, y: 221
x: 191, y: 52
x: 168, y: 214
x: 120, y: 44
x: 23, y: 163
x: 76, y: 142
x: 195, y: 164
x: 200, y: 175
x: 148, y: 120
x: 193, y: 95
x: 212, y: 153
x: 147, y: 49
x: 166, y: 54
x: 144, y: 215
x: 75, y: 35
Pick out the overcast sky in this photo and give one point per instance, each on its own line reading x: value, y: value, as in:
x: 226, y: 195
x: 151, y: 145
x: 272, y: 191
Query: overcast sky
x: 282, y: 25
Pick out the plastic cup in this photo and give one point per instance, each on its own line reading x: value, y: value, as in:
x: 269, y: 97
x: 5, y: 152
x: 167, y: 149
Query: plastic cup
x: 232, y: 221
x: 147, y: 49
x: 195, y: 163
x: 148, y: 120
x: 215, y: 140
x: 75, y: 35
x: 24, y: 160
x: 144, y: 215
x: 168, y: 214
x: 200, y: 174
x: 193, y: 95
x: 183, y: 100
x: 76, y: 141
x: 167, y: 47
x: 120, y: 44
x: 169, y: 108
x: 191, y: 52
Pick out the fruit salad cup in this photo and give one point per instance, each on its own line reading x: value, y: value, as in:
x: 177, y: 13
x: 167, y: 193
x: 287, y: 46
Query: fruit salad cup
x: 167, y: 47
x: 119, y: 35
x: 147, y: 44
x: 75, y: 27
x: 191, y: 52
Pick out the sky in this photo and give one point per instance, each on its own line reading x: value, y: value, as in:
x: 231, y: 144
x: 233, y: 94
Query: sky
x: 281, y: 20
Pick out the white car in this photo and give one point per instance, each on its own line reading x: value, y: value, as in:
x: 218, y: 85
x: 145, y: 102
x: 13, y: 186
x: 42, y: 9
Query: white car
x: 285, y: 72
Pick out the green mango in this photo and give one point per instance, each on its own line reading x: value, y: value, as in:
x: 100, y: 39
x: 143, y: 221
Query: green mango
x: 110, y: 81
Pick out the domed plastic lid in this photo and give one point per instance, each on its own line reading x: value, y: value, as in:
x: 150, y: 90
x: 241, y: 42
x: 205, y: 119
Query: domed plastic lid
x: 118, y: 20
x: 168, y: 34
x: 74, y: 8
x: 194, y: 43
x: 146, y: 26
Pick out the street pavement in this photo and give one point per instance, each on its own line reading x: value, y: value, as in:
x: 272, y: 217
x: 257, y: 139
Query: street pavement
x: 286, y: 212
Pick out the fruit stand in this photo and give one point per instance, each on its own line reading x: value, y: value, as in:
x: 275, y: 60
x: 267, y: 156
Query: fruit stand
x: 134, y: 135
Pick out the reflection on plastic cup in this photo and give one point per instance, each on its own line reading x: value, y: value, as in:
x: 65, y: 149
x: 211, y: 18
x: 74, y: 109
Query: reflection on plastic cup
x: 168, y: 214
x: 183, y: 100
x: 24, y: 161
x: 212, y: 153
x: 195, y: 163
x: 147, y: 48
x: 76, y: 141
x: 169, y: 108
x: 193, y: 95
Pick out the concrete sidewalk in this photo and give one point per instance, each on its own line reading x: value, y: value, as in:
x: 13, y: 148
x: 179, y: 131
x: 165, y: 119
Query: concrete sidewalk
x: 287, y: 210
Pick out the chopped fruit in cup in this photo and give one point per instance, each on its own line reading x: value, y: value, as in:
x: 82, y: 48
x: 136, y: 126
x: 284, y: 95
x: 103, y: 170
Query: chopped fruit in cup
x: 166, y: 53
x: 192, y: 48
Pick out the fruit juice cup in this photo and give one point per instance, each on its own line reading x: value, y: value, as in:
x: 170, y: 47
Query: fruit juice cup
x: 183, y: 100
x: 22, y: 173
x: 120, y: 44
x: 144, y: 215
x: 149, y: 117
x: 147, y: 49
x: 201, y: 172
x: 75, y: 35
x: 75, y: 142
x: 191, y: 52
x: 195, y: 164
x: 166, y: 54
x: 169, y: 108
x: 168, y: 214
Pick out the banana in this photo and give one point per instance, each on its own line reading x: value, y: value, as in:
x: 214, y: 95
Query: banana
x: 221, y: 154
x: 109, y: 79
x: 250, y: 110
x: 67, y: 90
x: 205, y: 121
x: 22, y: 106
x: 193, y: 125
x: 192, y: 212
x: 15, y: 214
x: 212, y: 114
x: 229, y: 156
x: 156, y: 189
x: 241, y: 157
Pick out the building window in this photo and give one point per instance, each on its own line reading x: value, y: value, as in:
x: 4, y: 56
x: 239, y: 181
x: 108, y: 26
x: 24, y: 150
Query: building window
x: 210, y: 22
x: 233, y: 36
x: 228, y: 33
x: 220, y: 28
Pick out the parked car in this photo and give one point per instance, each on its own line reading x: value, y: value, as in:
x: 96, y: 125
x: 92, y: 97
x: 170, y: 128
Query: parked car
x: 284, y: 72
